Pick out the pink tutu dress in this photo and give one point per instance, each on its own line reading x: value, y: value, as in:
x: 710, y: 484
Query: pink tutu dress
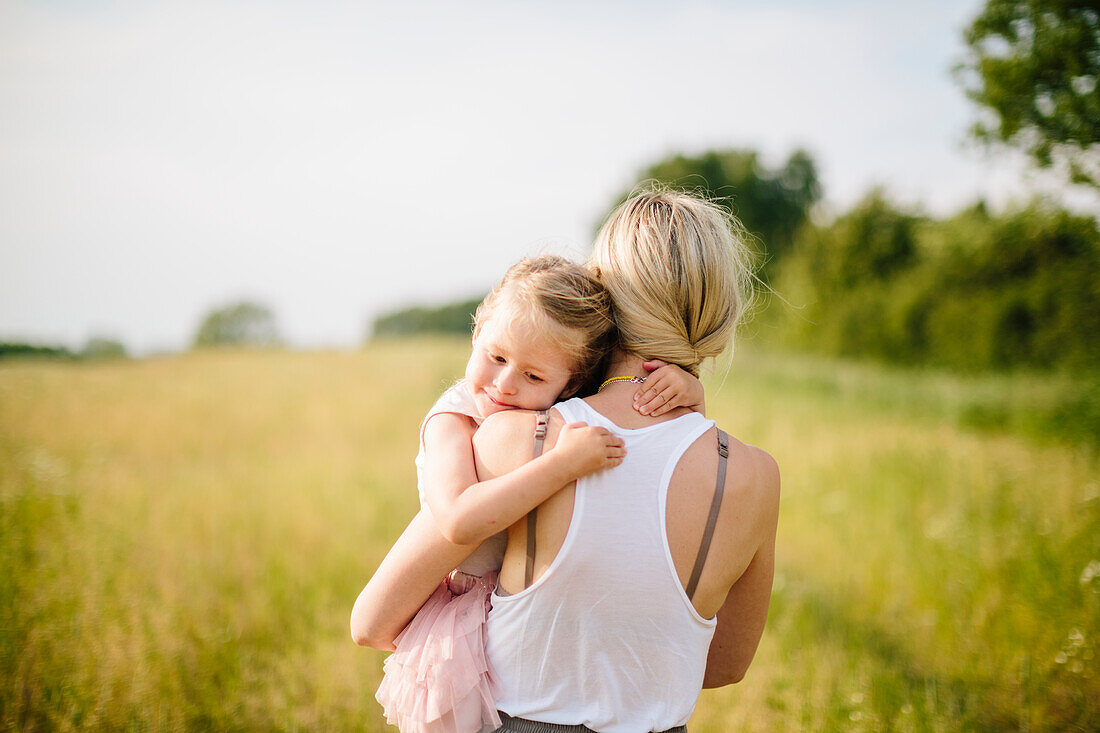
x: 439, y: 679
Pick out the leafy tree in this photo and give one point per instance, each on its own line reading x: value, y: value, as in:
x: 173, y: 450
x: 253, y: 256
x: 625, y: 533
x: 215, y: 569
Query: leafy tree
x: 1029, y: 281
x: 98, y: 347
x: 1035, y: 65
x: 452, y: 318
x: 972, y: 292
x: 240, y: 324
x: 18, y: 349
x: 771, y: 203
x: 846, y: 277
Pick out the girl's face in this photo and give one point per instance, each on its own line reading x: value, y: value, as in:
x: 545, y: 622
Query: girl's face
x: 514, y: 366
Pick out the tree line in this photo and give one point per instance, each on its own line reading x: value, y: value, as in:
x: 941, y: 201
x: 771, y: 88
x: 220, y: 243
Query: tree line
x: 972, y: 291
x: 94, y: 348
x: 242, y: 323
x: 975, y: 290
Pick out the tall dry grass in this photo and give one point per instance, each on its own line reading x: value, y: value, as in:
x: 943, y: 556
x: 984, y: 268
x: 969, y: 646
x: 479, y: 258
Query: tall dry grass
x: 182, y: 538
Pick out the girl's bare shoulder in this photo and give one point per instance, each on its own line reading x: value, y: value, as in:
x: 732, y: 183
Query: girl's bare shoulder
x: 447, y: 424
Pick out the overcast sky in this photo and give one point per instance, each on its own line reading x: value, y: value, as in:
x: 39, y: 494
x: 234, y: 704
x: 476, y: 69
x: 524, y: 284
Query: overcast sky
x: 338, y: 159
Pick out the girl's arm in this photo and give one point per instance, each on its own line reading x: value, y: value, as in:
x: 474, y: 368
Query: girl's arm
x: 468, y: 511
x: 666, y: 388
x: 422, y: 555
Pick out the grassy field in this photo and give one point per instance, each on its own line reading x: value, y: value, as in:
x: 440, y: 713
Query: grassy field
x: 181, y: 540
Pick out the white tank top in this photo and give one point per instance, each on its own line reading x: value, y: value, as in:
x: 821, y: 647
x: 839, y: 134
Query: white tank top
x: 490, y: 553
x: 607, y: 636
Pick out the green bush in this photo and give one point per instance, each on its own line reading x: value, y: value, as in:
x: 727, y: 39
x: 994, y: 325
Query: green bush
x: 971, y: 292
x: 454, y: 318
x: 240, y: 324
x: 17, y: 349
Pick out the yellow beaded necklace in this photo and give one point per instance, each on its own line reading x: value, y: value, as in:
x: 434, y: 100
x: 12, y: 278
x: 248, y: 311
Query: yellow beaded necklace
x: 609, y: 380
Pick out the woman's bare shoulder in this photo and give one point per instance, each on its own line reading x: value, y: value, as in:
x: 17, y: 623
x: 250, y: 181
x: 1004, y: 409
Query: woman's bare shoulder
x: 764, y: 468
x: 753, y: 475
x: 505, y: 438
x: 502, y: 425
x: 751, y: 472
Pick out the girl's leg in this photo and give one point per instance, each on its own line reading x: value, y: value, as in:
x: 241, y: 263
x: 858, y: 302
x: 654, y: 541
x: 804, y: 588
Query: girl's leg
x: 412, y: 569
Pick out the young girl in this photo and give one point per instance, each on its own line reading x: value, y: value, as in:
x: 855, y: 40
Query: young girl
x: 538, y: 336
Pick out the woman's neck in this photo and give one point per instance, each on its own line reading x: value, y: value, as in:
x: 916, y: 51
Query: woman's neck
x: 625, y: 365
x: 616, y: 400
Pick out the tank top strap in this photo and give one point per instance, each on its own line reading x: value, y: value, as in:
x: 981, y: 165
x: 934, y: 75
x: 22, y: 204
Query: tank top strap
x: 712, y: 518
x: 542, y: 418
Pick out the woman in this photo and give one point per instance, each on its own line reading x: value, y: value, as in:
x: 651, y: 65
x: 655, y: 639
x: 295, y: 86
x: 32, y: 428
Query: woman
x: 650, y: 580
x: 606, y: 621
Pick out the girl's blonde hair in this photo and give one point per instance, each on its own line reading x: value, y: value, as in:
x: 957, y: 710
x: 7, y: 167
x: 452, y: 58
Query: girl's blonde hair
x: 679, y: 271
x: 565, y: 303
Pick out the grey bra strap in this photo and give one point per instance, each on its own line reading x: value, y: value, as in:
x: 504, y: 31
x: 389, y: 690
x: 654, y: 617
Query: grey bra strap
x: 712, y: 520
x: 542, y: 417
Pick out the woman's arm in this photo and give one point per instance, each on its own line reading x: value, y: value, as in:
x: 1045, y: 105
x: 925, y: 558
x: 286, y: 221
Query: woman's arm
x: 741, y: 622
x: 413, y: 568
x: 469, y: 511
x: 743, y: 614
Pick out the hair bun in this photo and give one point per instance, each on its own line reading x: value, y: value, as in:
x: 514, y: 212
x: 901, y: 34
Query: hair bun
x: 678, y: 270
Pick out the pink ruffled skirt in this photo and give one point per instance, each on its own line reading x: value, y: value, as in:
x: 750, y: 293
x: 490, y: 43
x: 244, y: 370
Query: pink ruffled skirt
x: 439, y: 680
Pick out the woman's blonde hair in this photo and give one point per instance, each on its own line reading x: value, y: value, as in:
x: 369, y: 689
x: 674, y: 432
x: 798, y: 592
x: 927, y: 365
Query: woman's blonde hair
x: 566, y: 304
x: 679, y: 271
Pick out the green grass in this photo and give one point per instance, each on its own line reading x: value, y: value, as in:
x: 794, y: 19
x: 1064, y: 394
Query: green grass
x: 182, y: 538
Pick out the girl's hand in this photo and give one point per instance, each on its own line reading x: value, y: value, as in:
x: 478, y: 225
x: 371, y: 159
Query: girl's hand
x: 666, y: 388
x: 586, y: 449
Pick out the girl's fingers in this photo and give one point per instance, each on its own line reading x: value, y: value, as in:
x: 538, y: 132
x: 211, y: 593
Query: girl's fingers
x: 652, y: 386
x: 665, y: 406
x: 656, y: 404
x: 648, y: 399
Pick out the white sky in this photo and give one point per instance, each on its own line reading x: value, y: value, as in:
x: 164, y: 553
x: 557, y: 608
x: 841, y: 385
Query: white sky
x: 338, y: 159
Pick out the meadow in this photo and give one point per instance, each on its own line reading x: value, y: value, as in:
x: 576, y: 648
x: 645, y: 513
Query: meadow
x: 182, y: 538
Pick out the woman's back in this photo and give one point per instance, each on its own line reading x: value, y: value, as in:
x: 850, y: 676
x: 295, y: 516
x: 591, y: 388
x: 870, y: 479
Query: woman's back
x: 609, y: 556
x: 585, y: 653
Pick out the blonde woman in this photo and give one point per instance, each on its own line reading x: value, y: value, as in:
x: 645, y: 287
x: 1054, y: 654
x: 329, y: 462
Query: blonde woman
x: 633, y: 588
x: 626, y: 591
